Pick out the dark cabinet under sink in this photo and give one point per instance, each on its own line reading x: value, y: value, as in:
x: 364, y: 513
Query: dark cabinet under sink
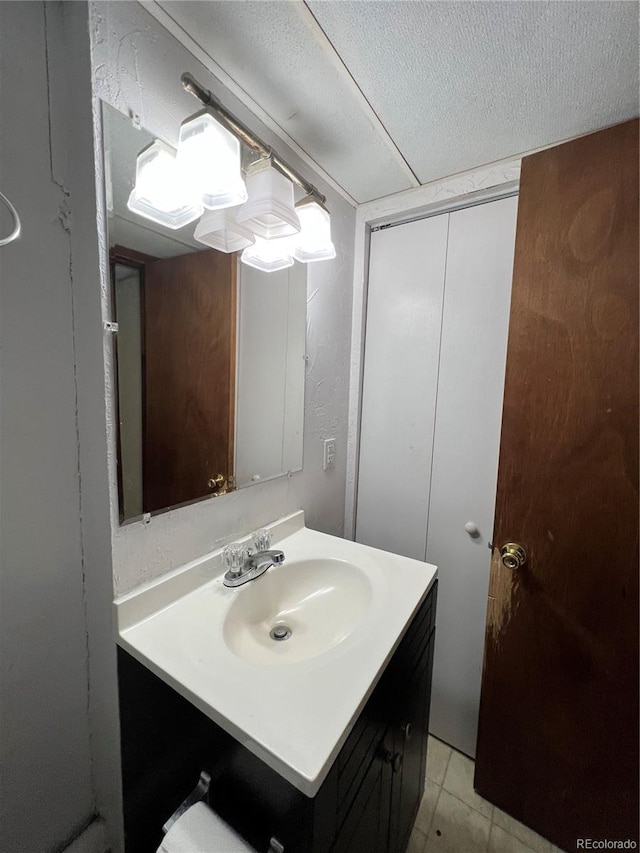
x: 368, y: 802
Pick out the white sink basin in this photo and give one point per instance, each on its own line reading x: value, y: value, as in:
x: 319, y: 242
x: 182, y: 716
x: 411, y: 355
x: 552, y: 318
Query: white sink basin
x: 314, y: 604
x: 290, y: 702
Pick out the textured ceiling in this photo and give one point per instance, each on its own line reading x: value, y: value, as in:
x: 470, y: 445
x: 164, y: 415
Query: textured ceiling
x: 386, y: 95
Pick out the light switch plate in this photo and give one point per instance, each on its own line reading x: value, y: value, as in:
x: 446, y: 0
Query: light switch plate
x: 329, y: 458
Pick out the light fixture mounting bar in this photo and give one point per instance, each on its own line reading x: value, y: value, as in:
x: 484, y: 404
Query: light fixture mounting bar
x: 228, y: 120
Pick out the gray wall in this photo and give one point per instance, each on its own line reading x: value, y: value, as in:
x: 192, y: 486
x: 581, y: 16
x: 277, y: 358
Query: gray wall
x: 58, y: 738
x: 58, y: 524
x: 137, y: 67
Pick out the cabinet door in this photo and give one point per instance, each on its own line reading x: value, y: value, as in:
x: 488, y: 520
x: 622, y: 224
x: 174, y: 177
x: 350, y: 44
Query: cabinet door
x: 410, y: 741
x: 404, y: 310
x: 365, y: 829
x: 475, y: 322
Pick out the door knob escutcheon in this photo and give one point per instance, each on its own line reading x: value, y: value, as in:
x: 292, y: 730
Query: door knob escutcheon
x: 217, y: 483
x: 513, y: 556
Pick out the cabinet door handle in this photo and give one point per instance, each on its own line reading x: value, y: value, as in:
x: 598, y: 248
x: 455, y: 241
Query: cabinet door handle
x: 407, y: 730
x: 394, y: 759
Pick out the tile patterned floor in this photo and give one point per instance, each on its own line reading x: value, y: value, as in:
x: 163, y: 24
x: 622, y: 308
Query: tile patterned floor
x: 454, y: 819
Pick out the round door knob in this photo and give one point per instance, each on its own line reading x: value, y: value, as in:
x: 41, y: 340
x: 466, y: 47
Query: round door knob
x: 216, y: 483
x: 472, y: 529
x: 513, y: 556
x: 407, y: 730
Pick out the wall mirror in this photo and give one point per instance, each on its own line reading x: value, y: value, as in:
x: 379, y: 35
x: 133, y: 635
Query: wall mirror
x: 209, y: 353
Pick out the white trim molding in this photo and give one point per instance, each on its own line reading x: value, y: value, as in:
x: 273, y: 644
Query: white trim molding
x: 473, y: 187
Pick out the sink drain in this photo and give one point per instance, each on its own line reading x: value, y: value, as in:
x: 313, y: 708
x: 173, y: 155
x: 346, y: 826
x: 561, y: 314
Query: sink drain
x: 280, y: 633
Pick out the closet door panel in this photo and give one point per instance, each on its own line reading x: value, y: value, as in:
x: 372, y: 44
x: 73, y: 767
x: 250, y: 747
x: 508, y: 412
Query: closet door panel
x: 465, y: 457
x: 404, y: 312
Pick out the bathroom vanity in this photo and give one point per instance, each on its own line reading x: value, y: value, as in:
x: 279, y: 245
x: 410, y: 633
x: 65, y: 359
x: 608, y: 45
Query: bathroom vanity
x: 319, y: 742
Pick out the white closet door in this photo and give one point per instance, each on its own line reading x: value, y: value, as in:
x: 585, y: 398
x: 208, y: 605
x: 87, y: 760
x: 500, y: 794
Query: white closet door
x: 404, y: 312
x: 465, y: 456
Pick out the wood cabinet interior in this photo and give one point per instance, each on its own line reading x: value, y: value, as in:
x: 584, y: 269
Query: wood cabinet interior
x: 368, y: 801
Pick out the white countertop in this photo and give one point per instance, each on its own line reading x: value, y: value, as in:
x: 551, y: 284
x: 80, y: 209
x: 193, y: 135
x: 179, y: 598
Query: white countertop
x: 295, y: 717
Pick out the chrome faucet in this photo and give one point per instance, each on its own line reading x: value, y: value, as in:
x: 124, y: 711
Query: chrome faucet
x: 254, y: 566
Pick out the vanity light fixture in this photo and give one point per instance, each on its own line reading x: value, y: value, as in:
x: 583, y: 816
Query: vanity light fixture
x: 159, y: 193
x: 269, y: 211
x: 219, y: 229
x: 209, y: 161
x: 311, y: 219
x: 269, y: 255
x: 313, y: 243
x: 204, y: 179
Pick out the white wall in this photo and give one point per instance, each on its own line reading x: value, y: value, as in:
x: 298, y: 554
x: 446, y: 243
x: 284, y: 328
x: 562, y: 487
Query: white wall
x: 137, y: 67
x: 58, y: 743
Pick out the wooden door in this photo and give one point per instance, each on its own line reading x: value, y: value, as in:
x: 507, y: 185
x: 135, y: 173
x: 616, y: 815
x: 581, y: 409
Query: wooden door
x: 189, y: 376
x: 558, y: 731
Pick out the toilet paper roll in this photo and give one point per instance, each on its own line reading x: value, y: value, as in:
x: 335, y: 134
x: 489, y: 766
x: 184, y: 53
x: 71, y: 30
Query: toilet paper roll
x: 200, y: 830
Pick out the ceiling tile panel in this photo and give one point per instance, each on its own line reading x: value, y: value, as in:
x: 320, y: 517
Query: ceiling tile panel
x: 461, y: 84
x: 278, y: 55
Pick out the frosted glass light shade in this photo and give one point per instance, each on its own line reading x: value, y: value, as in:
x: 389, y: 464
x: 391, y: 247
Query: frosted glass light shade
x: 219, y: 229
x: 268, y: 255
x: 269, y: 212
x: 313, y: 243
x: 159, y: 193
x: 209, y: 160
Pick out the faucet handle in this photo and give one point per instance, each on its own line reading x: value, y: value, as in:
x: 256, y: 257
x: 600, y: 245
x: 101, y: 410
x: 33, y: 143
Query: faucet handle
x: 262, y: 539
x: 234, y: 556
